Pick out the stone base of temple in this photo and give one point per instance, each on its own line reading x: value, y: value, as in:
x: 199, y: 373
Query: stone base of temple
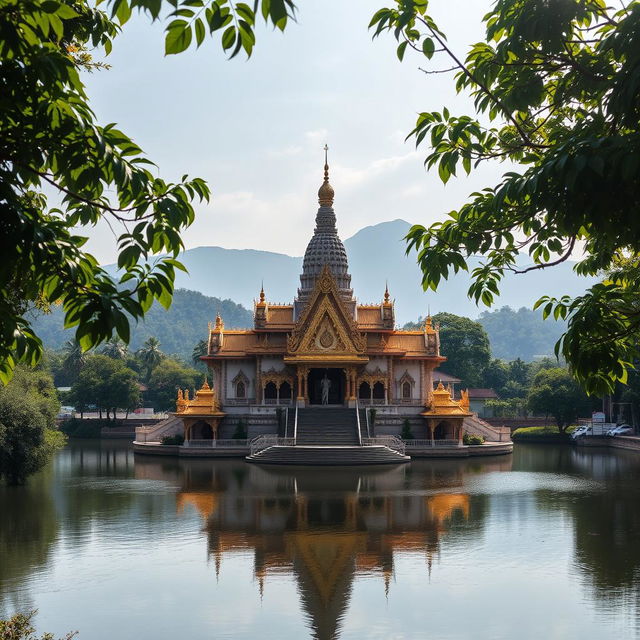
x: 328, y: 455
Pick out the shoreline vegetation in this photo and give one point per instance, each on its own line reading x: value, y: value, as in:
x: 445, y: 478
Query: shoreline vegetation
x: 547, y: 435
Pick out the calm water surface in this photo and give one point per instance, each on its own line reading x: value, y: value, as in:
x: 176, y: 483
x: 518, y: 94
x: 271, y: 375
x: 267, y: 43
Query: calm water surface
x: 541, y: 545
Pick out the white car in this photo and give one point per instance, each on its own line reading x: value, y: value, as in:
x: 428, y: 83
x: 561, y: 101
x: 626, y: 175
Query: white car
x: 621, y: 430
x: 584, y: 430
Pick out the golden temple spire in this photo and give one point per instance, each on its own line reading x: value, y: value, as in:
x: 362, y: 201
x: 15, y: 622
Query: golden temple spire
x: 219, y: 323
x: 262, y: 293
x: 326, y: 192
x: 386, y: 293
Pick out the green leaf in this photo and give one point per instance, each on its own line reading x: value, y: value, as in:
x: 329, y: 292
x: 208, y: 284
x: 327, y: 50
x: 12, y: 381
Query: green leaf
x: 178, y: 37
x: 428, y: 47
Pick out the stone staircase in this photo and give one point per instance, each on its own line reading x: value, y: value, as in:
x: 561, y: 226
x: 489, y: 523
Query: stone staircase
x: 479, y: 427
x: 327, y: 436
x: 327, y: 426
x: 171, y: 426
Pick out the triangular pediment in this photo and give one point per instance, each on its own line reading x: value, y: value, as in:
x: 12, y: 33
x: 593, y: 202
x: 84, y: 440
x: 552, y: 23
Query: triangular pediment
x: 326, y: 326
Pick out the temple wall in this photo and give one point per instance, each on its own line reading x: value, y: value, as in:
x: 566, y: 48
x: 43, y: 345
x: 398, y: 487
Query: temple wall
x: 413, y: 369
x: 272, y: 363
x: 232, y: 369
x: 376, y: 363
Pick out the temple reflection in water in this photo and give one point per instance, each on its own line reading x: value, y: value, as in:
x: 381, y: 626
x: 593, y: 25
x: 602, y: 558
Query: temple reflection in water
x: 327, y: 531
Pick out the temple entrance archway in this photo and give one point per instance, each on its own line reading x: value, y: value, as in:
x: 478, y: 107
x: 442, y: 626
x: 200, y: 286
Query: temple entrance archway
x: 201, y: 430
x: 445, y: 430
x: 336, y: 390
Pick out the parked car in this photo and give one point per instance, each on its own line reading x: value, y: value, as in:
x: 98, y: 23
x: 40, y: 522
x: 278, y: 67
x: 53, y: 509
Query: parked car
x: 621, y: 430
x: 584, y: 430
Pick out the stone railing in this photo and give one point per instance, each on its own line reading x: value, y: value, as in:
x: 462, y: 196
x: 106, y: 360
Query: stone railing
x: 393, y: 442
x: 221, y: 443
x: 265, y: 441
x: 427, y: 443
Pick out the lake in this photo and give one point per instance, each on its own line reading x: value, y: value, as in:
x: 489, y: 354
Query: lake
x: 544, y: 544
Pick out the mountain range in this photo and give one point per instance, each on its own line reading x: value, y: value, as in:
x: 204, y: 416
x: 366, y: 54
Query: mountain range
x: 376, y: 257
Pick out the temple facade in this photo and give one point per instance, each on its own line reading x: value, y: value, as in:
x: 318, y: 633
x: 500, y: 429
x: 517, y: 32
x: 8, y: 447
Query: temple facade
x: 326, y: 348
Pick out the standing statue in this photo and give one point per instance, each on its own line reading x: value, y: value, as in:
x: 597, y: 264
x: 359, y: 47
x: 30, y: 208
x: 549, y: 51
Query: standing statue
x: 325, y: 385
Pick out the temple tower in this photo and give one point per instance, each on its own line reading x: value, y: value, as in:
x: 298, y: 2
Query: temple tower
x: 325, y: 248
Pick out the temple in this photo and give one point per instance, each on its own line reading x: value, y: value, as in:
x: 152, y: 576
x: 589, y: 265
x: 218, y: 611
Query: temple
x: 324, y: 371
x: 326, y: 340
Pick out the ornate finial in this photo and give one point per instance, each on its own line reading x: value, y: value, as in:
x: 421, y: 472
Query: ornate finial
x: 386, y: 293
x: 205, y: 384
x: 326, y: 192
x: 219, y: 323
x: 427, y: 323
x: 186, y: 395
x: 262, y: 293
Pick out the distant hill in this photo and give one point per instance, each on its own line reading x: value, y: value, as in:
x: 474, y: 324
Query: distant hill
x: 376, y: 255
x: 521, y: 334
x: 178, y: 329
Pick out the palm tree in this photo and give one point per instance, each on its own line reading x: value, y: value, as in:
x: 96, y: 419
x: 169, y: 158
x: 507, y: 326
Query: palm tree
x: 150, y: 354
x: 201, y: 349
x: 115, y: 348
x: 74, y: 358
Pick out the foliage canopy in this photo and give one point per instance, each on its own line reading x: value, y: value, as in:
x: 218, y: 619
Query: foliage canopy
x: 556, y: 90
x: 50, y: 139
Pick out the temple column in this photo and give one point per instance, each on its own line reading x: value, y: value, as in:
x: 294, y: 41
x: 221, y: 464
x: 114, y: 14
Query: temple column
x: 258, y: 380
x: 432, y: 427
x: 391, y: 385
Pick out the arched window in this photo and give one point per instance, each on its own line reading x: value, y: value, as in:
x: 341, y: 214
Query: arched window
x: 241, y: 390
x: 378, y: 391
x: 285, y: 391
x: 406, y: 390
x: 270, y: 391
x: 364, y: 392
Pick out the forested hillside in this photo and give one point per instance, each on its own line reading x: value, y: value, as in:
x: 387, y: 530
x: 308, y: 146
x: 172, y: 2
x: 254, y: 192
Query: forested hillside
x: 520, y: 334
x: 515, y: 334
x: 177, y: 329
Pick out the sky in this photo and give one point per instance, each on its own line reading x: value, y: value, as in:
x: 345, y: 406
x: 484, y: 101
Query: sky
x: 254, y: 129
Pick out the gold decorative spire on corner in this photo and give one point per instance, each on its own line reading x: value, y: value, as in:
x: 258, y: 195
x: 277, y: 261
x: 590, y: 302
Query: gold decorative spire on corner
x: 219, y: 323
x: 386, y: 294
x: 326, y: 192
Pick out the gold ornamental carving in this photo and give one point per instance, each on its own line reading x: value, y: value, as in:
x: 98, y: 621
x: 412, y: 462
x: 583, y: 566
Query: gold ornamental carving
x: 325, y: 324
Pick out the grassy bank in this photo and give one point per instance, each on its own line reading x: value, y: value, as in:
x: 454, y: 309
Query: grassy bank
x: 549, y: 434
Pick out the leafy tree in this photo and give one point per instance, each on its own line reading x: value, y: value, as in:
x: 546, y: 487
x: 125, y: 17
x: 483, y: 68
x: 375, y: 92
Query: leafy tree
x: 107, y: 384
x: 50, y: 138
x: 496, y: 375
x: 165, y: 382
x: 554, y: 392
x: 465, y: 344
x: 556, y: 93
x: 28, y: 408
x: 150, y: 355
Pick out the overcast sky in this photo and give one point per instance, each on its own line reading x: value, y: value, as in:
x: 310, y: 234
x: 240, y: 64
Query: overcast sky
x: 255, y: 129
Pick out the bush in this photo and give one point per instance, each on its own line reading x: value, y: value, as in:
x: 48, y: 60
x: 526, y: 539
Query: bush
x: 19, y: 627
x: 541, y: 434
x: 79, y: 428
x: 472, y: 439
x: 406, y: 430
x: 177, y: 439
x: 241, y: 430
x: 28, y: 406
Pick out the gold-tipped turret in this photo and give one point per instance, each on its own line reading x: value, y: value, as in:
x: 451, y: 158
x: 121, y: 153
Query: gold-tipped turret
x: 326, y: 192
